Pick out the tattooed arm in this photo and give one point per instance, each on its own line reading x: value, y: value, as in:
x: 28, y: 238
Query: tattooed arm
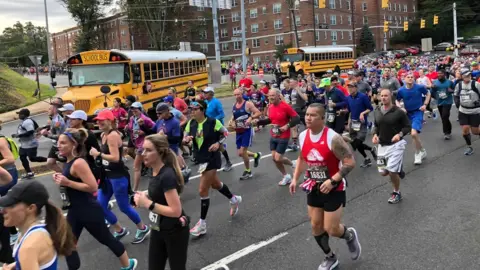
x: 344, y: 153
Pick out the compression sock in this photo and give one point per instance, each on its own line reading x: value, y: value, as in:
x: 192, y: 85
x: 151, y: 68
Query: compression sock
x: 322, y: 241
x: 225, y: 155
x: 204, y: 204
x: 225, y: 191
x: 347, y: 235
x: 468, y: 139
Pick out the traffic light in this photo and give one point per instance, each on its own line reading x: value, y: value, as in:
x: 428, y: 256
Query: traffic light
x: 422, y: 23
x: 322, y: 3
x: 384, y: 3
x: 405, y: 26
x: 385, y: 26
x: 435, y: 19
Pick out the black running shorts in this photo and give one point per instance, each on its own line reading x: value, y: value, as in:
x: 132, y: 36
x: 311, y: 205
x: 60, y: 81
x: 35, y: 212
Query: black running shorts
x: 472, y: 120
x: 328, y: 202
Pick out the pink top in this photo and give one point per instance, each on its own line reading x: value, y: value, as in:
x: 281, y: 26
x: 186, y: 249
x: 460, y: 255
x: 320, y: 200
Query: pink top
x: 120, y: 113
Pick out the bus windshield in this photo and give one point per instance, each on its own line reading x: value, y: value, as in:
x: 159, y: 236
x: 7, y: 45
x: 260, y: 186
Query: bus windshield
x: 99, y: 74
x: 292, y: 57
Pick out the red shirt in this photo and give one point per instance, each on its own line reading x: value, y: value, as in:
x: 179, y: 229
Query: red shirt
x: 432, y: 76
x: 120, y: 112
x: 280, y: 115
x: 245, y: 82
x: 265, y: 90
x: 180, y: 104
x: 318, y: 154
x: 343, y: 89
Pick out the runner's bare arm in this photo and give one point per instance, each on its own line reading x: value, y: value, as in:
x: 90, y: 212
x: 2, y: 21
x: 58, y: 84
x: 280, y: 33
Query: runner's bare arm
x: 343, y: 152
x: 255, y: 112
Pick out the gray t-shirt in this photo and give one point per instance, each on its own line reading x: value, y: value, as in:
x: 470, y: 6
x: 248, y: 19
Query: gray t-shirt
x: 363, y: 87
x: 297, y: 101
x: 57, y: 129
x: 392, y: 84
x: 468, y: 98
x: 28, y: 141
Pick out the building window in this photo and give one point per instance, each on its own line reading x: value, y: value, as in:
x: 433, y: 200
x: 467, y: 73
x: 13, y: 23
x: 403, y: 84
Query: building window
x: 203, y: 34
x: 253, y: 13
x: 222, y: 19
x: 277, y: 24
x: 324, y: 18
x: 252, y: 1
x: 200, y: 8
x: 265, y: 25
x: 264, y: 10
x: 390, y: 6
x: 325, y: 34
x: 394, y: 7
x: 123, y: 33
x: 349, y: 5
x: 349, y: 18
x: 202, y: 21
x: 414, y: 9
x: 299, y: 37
x: 405, y: 8
x: 405, y: 18
x: 297, y: 20
x: 340, y: 3
x: 254, y: 28
x: 234, y: 3
x: 317, y: 35
x: 364, y: 6
x: 390, y: 18
x: 255, y: 43
x: 341, y: 19
x: 277, y: 8
x: 365, y: 20
x: 296, y: 5
x: 236, y: 31
x: 224, y: 47
x: 265, y: 41
x: 334, y: 35
x: 235, y: 16
x: 342, y: 34
x: 333, y: 19
x: 204, y: 47
x: 350, y: 36
x: 236, y: 45
x: 223, y: 33
x: 331, y: 4
x: 124, y: 45
x: 316, y: 19
x: 278, y: 40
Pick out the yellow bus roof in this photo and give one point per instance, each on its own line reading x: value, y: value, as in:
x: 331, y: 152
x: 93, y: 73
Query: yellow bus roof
x: 161, y: 56
x: 326, y: 49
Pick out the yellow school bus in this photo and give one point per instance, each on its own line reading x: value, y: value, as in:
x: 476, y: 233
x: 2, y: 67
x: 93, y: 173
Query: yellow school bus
x: 305, y: 60
x: 144, y: 74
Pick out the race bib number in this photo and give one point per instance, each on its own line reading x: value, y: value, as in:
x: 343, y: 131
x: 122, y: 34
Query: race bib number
x: 442, y: 95
x: 154, y: 221
x: 202, y: 167
x: 465, y: 98
x: 356, y: 125
x: 276, y: 130
x: 381, y: 163
x: 105, y: 162
x: 63, y: 196
x: 319, y: 174
x: 241, y: 124
x: 331, y: 117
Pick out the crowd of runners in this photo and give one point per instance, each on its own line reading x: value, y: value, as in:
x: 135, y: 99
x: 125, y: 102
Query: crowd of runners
x: 324, y: 118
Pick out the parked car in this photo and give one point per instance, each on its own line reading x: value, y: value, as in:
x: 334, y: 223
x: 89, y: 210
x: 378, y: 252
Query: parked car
x: 400, y: 53
x: 442, y: 46
x: 413, y: 50
x: 469, y: 51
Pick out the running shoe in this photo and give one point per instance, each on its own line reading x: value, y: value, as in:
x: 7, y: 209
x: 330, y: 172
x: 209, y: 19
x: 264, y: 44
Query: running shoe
x: 186, y: 172
x: 329, y: 263
x: 246, y: 175
x: 395, y: 198
x: 354, y: 245
x: 199, y: 229
x: 286, y: 180
x: 256, y: 160
x: 234, y: 205
x: 418, y: 158
x: 366, y: 163
x: 133, y: 265
x: 29, y: 175
x: 110, y: 205
x: 293, y: 147
x: 141, y: 235
x: 447, y: 137
x: 435, y: 115
x: 227, y: 167
x: 423, y: 153
x: 468, y: 151
x: 13, y: 239
x: 119, y: 235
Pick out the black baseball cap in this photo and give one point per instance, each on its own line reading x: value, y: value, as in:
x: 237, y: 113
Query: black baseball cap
x: 25, y: 112
x: 131, y: 98
x: 28, y: 192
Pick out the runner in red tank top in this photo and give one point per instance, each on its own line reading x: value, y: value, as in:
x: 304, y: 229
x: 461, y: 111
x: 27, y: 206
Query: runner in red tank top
x: 327, y: 159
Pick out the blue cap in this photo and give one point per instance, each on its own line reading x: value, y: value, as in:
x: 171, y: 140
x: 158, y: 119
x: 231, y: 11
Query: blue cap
x: 168, y: 99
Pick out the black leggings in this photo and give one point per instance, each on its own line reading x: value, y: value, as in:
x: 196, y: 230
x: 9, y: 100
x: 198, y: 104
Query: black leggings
x: 31, y: 153
x: 168, y: 245
x: 90, y: 216
x: 361, y: 147
x: 6, y: 249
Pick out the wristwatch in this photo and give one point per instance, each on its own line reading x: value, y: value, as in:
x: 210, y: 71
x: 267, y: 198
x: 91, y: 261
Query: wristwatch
x: 334, y: 183
x: 151, y: 206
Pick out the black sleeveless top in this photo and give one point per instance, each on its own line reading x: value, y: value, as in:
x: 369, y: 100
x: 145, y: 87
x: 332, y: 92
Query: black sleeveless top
x: 113, y: 169
x: 76, y: 197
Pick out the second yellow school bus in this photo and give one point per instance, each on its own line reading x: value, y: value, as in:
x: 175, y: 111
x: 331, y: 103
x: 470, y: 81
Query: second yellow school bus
x: 305, y: 60
x: 144, y: 74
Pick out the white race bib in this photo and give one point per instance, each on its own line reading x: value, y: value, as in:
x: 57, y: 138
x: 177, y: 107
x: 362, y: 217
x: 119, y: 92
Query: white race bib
x: 331, y: 117
x: 442, y: 95
x: 154, y: 221
x: 356, y: 125
x: 465, y: 98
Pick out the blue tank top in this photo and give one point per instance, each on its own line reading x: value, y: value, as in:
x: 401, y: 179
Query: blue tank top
x: 77, y: 197
x: 240, y: 115
x: 52, y: 265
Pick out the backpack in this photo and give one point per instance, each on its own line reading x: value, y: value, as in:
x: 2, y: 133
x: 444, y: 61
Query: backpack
x: 13, y: 146
x: 473, y: 86
x: 35, y: 124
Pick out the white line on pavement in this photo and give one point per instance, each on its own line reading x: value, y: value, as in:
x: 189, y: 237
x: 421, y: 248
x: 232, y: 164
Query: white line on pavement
x: 222, y: 263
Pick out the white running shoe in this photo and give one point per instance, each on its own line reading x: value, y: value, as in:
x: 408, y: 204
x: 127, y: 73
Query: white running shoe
x: 418, y: 158
x: 423, y: 154
x: 199, y: 229
x: 286, y: 180
x: 234, y: 205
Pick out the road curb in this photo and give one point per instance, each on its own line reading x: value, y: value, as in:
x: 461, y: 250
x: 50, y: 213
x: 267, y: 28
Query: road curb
x: 39, y: 169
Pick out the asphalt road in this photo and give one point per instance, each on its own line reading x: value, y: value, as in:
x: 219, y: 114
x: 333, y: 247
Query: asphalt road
x: 434, y: 227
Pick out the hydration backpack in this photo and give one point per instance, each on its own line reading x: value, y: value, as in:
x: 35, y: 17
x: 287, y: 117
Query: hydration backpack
x: 13, y: 146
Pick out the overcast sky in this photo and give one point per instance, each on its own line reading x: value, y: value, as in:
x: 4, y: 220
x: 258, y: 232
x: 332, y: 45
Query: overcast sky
x: 12, y: 11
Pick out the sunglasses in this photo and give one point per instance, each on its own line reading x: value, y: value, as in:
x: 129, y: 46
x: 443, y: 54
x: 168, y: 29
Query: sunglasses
x: 195, y: 104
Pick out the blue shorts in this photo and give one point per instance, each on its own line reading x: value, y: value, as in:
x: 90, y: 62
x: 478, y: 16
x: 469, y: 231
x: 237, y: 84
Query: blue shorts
x: 244, y: 139
x: 416, y: 118
x: 4, y: 189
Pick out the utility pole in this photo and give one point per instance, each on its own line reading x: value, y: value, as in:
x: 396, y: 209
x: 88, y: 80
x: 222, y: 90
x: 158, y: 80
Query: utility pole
x: 48, y: 44
x: 244, y: 39
x: 291, y: 6
x: 455, y: 37
x: 352, y: 14
x: 215, y: 29
x: 314, y: 24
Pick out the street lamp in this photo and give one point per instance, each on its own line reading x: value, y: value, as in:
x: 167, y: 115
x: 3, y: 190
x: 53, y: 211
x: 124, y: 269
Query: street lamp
x: 48, y: 43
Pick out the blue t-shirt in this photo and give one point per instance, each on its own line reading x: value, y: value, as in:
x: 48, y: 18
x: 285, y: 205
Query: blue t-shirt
x: 215, y: 109
x: 440, y: 92
x: 176, y: 113
x: 358, y: 104
x: 412, y: 98
x: 171, y: 128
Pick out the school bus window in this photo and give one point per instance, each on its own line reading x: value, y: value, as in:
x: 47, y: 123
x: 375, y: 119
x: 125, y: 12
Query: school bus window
x: 199, y: 66
x: 307, y: 57
x: 189, y: 67
x: 154, y: 71
x: 202, y: 64
x: 146, y: 70
x: 171, y: 70
x: 180, y: 68
x: 160, y: 71
x: 166, y: 73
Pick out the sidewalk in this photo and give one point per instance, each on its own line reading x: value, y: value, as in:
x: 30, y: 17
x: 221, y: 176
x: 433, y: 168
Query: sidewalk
x: 36, y: 108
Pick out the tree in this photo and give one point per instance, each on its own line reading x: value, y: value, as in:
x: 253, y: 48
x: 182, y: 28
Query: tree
x: 20, y: 41
x: 87, y: 14
x: 367, y: 42
x: 280, y: 49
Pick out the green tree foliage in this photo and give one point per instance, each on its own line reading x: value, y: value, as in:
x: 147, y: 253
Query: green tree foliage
x: 468, y: 15
x: 20, y: 41
x: 86, y: 13
x: 167, y: 23
x: 279, y: 50
x: 367, y: 42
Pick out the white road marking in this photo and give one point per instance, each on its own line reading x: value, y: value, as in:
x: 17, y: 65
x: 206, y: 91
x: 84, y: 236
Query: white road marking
x: 222, y: 263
